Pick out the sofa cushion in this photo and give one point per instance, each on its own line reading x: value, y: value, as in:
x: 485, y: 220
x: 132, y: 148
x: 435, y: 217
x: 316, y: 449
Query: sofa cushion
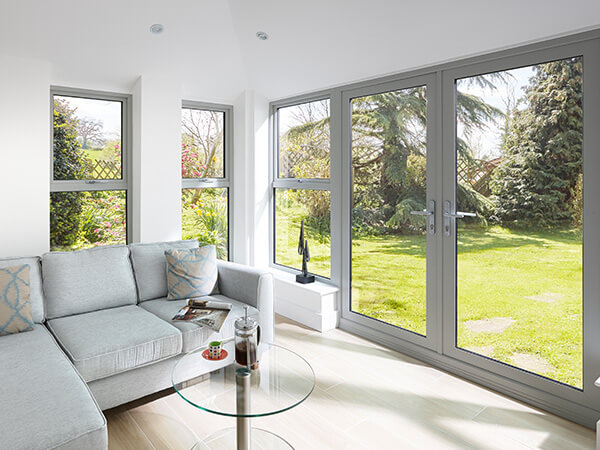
x: 192, y: 273
x: 150, y: 266
x: 15, y: 304
x: 195, y: 335
x: 35, y: 284
x: 87, y: 280
x: 44, y: 401
x: 110, y: 341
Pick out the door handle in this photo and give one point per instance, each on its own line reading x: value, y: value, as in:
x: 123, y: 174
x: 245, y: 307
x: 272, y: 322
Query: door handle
x: 449, y: 215
x: 430, y: 213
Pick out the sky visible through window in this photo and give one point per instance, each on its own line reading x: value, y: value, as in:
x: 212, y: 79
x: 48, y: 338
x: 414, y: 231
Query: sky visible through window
x: 510, y: 93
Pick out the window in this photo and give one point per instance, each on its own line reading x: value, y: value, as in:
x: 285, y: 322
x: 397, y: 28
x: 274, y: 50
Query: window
x: 89, y: 183
x: 205, y: 150
x: 302, y: 185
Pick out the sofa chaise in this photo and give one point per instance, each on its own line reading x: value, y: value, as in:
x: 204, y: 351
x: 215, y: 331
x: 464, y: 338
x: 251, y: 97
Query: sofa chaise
x: 103, y: 336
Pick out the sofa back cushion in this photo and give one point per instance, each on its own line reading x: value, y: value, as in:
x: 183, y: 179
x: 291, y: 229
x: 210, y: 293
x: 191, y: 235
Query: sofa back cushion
x: 35, y: 283
x: 150, y: 266
x: 87, y: 280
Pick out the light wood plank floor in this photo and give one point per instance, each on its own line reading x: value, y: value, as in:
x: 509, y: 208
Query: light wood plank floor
x: 367, y: 397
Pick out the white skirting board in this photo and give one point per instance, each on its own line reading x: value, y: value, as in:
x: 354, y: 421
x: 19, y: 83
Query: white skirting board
x: 314, y: 305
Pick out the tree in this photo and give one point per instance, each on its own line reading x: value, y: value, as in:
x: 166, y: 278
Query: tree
x: 537, y: 182
x: 69, y: 164
x: 90, y: 131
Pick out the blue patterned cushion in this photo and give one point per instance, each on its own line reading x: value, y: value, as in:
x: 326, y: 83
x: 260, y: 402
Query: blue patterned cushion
x: 15, y: 302
x: 191, y: 272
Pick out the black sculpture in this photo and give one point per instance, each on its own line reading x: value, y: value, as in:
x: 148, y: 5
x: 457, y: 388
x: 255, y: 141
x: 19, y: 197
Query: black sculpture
x: 304, y: 278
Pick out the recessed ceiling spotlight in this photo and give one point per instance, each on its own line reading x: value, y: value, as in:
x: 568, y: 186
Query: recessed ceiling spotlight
x: 262, y: 35
x: 157, y: 28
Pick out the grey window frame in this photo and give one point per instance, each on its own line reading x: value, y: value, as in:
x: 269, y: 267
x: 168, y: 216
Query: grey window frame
x: 579, y: 406
x: 125, y: 183
x: 217, y: 182
x: 320, y: 184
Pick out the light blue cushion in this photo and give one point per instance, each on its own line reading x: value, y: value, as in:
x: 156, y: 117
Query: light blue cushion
x: 44, y: 402
x: 35, y: 283
x: 87, y: 280
x: 191, y: 273
x: 15, y: 305
x: 110, y: 341
x: 150, y: 266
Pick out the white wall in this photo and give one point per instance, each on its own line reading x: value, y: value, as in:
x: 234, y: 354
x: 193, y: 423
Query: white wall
x: 156, y: 158
x: 24, y: 156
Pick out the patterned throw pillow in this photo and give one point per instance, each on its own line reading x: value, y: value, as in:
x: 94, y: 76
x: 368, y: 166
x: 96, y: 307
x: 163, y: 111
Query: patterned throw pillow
x: 191, y: 272
x: 15, y: 303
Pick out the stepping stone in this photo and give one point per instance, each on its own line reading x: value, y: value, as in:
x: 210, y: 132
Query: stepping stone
x: 532, y: 363
x: 493, y: 325
x: 485, y: 350
x: 546, y: 297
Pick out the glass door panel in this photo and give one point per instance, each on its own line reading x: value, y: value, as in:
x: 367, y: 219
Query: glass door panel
x: 519, y: 139
x: 389, y: 207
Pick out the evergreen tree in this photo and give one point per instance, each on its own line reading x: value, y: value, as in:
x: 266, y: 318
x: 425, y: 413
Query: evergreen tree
x: 69, y: 164
x: 536, y: 184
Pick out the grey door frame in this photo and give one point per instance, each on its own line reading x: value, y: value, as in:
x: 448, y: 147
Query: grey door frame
x: 580, y: 406
x: 432, y: 338
x: 590, y: 395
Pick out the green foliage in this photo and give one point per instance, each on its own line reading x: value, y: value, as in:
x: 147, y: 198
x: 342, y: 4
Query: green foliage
x: 206, y: 209
x: 536, y: 184
x: 69, y: 164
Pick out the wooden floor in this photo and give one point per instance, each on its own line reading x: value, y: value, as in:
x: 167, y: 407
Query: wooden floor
x: 367, y: 397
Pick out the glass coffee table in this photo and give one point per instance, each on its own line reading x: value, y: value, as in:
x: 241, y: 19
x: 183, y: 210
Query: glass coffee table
x: 282, y: 381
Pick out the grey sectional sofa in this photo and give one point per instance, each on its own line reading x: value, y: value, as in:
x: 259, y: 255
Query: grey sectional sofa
x: 103, y: 337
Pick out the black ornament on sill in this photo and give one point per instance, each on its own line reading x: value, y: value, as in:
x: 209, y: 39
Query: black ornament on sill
x: 305, y: 277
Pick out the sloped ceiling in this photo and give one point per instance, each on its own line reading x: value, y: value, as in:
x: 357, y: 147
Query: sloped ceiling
x: 211, y: 47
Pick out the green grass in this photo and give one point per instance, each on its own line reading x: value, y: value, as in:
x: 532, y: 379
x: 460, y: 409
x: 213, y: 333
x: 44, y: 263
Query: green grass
x: 496, y: 268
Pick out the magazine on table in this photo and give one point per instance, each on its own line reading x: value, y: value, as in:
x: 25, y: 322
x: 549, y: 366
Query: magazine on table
x: 209, y: 313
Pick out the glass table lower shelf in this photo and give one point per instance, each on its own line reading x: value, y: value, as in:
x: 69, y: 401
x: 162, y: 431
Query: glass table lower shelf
x: 226, y: 439
x: 282, y: 381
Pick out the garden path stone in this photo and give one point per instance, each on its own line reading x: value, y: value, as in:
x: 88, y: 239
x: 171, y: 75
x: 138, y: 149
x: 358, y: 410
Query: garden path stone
x: 533, y: 363
x: 492, y: 325
x: 546, y: 297
x: 485, y: 350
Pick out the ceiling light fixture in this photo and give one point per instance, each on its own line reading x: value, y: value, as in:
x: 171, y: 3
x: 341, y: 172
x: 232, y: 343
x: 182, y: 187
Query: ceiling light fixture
x: 262, y: 35
x: 157, y: 28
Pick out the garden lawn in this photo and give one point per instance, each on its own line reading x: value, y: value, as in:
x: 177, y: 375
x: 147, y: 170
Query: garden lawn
x: 497, y: 270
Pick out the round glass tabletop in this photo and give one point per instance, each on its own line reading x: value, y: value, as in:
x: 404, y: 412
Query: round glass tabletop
x: 282, y: 380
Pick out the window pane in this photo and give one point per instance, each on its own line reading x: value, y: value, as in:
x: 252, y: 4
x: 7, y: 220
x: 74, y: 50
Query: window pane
x: 87, y: 219
x: 304, y: 140
x: 87, y: 139
x: 519, y: 263
x: 205, y: 217
x: 389, y: 244
x: 202, y: 143
x: 292, y: 206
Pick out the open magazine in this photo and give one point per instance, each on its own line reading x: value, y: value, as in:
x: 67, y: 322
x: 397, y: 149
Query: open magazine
x: 208, y: 313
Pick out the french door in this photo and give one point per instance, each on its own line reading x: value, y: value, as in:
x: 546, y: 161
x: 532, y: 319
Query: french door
x: 472, y: 203
x: 394, y: 216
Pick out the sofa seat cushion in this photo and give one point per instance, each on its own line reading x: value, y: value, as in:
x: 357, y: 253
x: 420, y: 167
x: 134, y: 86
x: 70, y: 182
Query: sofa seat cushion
x: 44, y: 401
x: 110, y: 341
x: 195, y: 335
